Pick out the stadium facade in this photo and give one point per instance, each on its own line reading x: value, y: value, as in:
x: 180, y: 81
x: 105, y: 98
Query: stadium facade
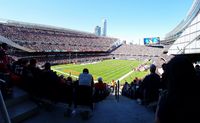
x: 186, y: 36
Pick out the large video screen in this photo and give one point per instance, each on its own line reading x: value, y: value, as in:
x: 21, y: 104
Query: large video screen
x: 149, y: 41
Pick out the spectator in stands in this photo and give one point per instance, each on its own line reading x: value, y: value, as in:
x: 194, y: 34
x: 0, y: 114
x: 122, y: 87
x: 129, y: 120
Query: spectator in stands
x: 24, y: 74
x: 62, y: 79
x: 164, y: 77
x: 84, y: 90
x: 86, y: 78
x: 31, y: 76
x: 49, y: 84
x: 197, y: 68
x: 139, y: 88
x: 100, y: 85
x: 125, y: 89
x: 100, y: 90
x: 5, y: 71
x: 151, y: 86
x: 133, y: 88
x: 4, y: 60
x: 180, y: 103
x: 113, y: 84
x: 33, y: 67
x: 67, y: 89
x: 69, y: 80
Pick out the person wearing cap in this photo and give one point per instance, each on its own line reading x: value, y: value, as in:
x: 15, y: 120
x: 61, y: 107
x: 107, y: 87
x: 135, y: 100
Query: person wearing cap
x: 100, y: 85
x: 151, y: 86
x: 100, y: 89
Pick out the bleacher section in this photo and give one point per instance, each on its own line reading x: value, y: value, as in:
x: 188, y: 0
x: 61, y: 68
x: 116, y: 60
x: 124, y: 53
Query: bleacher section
x: 137, y: 52
x: 52, y: 39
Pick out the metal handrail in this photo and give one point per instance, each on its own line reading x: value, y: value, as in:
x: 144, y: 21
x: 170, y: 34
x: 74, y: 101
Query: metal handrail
x: 3, y: 107
x: 117, y: 91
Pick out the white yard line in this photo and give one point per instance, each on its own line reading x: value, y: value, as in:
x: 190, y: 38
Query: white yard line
x: 124, y: 76
x: 68, y: 74
x: 121, y: 78
x: 64, y: 73
x: 114, y: 70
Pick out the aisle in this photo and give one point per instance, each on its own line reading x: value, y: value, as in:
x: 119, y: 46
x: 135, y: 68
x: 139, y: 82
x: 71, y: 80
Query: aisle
x: 107, y: 111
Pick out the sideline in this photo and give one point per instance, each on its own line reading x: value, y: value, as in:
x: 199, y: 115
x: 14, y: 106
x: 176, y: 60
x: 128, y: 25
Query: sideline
x: 64, y: 73
x: 68, y: 74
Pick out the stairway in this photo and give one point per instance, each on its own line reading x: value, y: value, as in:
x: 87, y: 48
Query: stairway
x: 19, y: 106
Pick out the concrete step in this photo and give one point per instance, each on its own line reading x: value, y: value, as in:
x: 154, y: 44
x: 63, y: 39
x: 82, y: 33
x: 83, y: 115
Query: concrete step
x: 17, y: 97
x: 19, y: 106
x: 1, y: 118
x: 22, y: 111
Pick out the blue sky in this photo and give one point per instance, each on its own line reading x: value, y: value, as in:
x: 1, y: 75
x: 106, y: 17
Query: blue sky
x: 127, y: 19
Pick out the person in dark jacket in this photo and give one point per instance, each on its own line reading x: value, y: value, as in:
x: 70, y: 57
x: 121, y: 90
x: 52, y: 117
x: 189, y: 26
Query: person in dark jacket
x: 180, y: 102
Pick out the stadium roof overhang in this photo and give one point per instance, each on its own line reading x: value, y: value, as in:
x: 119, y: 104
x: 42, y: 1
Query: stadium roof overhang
x: 11, y: 43
x: 177, y: 31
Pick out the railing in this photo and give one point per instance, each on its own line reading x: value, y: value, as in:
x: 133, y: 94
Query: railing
x: 3, y: 108
x: 117, y: 91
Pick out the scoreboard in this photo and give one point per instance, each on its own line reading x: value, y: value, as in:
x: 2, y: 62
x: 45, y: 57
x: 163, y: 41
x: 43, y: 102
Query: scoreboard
x: 154, y: 40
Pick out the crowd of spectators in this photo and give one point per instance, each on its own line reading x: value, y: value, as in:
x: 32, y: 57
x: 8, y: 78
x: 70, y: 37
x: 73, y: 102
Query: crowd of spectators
x: 179, y: 102
x: 177, y: 99
x: 140, y: 52
x: 63, y: 60
x: 43, y: 39
x: 145, y: 90
x: 168, y: 94
x: 43, y: 83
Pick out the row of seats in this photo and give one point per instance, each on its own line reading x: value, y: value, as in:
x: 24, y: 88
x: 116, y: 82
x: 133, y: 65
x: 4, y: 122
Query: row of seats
x: 41, y: 39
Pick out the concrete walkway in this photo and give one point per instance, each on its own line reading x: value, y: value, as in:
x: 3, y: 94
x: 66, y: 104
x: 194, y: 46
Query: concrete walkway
x: 107, y: 111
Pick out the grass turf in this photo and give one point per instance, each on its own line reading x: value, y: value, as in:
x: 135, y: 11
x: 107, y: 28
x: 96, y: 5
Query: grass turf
x: 109, y: 70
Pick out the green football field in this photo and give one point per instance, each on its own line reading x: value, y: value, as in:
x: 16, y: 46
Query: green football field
x: 109, y: 70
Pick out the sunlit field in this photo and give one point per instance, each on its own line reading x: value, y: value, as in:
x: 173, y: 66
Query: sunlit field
x: 109, y: 70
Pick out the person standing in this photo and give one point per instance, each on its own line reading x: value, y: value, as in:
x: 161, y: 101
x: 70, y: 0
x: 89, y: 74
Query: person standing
x: 151, y: 86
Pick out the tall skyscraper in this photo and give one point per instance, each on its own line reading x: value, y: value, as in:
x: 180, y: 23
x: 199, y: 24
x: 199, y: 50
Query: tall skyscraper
x: 97, y: 30
x: 104, y: 27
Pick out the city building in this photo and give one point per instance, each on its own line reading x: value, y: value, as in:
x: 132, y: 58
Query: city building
x: 104, y: 28
x: 97, y: 31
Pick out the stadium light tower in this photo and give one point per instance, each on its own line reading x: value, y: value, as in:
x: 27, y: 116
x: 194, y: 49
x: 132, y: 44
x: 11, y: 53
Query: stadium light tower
x: 104, y: 29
